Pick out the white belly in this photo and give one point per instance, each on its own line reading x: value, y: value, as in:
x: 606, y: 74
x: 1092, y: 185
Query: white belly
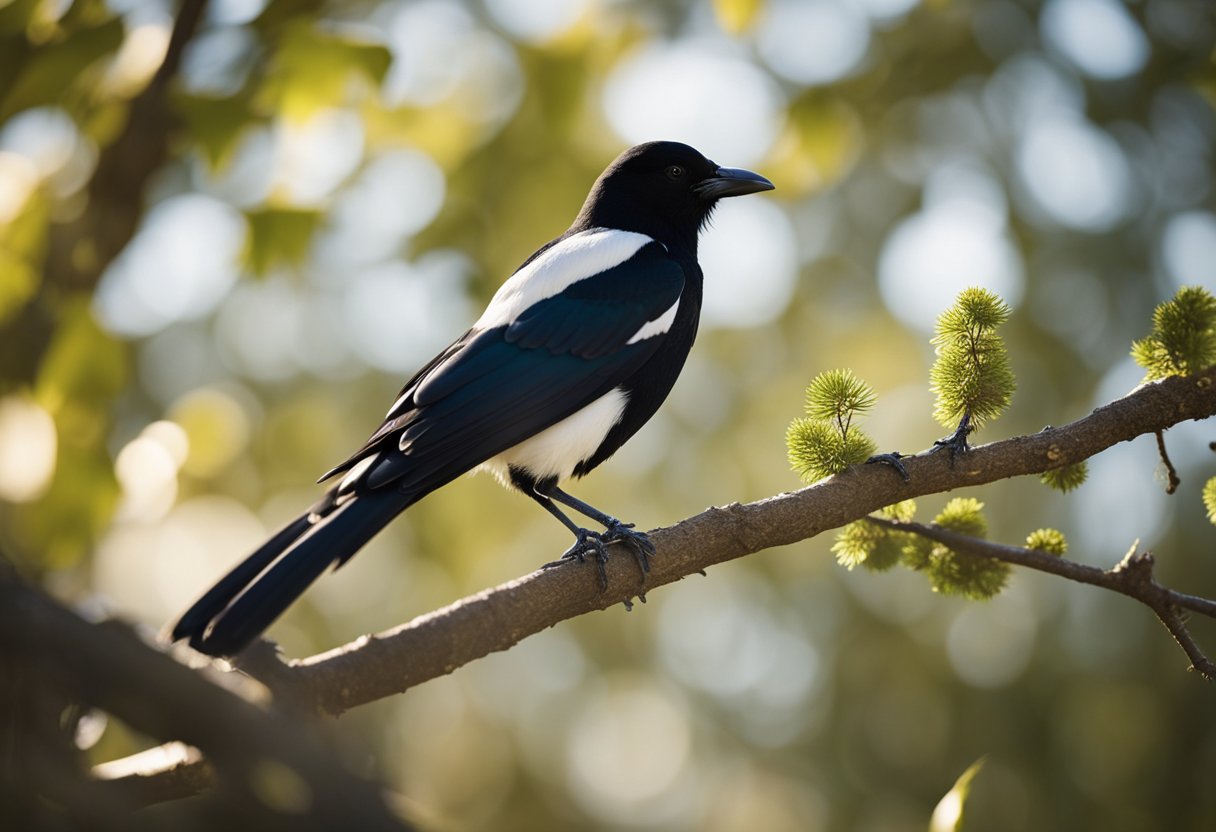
x: 556, y: 450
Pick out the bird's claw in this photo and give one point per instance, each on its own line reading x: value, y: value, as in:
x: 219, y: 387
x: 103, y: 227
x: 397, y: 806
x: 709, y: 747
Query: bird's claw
x: 956, y: 443
x: 592, y: 543
x: 894, y: 459
x: 587, y: 542
x: 638, y: 543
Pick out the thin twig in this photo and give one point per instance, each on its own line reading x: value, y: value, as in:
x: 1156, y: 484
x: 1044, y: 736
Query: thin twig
x: 1200, y: 663
x: 1172, y: 485
x: 1132, y: 576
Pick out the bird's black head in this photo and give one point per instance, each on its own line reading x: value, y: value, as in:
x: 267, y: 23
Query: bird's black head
x: 664, y: 189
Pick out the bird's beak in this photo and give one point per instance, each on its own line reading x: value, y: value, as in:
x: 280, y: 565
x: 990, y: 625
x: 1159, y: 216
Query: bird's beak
x: 731, y: 182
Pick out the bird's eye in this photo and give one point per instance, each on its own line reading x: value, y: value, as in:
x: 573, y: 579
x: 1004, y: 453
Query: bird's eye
x: 675, y: 172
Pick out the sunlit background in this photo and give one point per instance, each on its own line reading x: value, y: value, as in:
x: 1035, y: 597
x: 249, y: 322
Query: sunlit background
x: 351, y: 183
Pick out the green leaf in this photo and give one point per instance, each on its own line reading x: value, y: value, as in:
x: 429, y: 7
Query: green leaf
x: 902, y: 512
x: 25, y: 236
x: 972, y: 373
x: 826, y: 442
x: 279, y: 235
x: 917, y: 552
x: 870, y: 545
x: 313, y: 69
x: 838, y: 395
x: 1209, y: 499
x: 215, y: 123
x: 855, y: 543
x: 54, y: 68
x: 964, y: 515
x: 886, y: 552
x: 817, y: 449
x: 18, y: 283
x: 63, y: 525
x: 855, y: 447
x: 1066, y: 477
x: 813, y: 449
x: 83, y: 370
x: 962, y: 573
x: 822, y: 140
x: 1183, y: 340
x: 975, y: 309
x: 23, y: 242
x: 949, y: 813
x: 1050, y: 541
x: 15, y: 17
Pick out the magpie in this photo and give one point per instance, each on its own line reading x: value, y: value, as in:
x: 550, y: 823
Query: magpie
x: 575, y: 352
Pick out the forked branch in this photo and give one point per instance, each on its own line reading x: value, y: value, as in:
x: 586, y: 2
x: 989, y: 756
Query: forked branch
x: 1132, y: 576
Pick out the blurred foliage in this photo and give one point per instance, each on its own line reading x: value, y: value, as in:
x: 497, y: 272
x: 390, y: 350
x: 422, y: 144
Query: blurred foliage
x: 878, y: 548
x: 950, y: 813
x: 958, y: 573
x: 61, y: 66
x: 873, y: 546
x: 22, y: 247
x: 312, y: 69
x: 199, y: 382
x: 215, y: 122
x: 1067, y: 477
x: 1050, y: 541
x: 1183, y: 340
x: 83, y: 371
x: 279, y: 235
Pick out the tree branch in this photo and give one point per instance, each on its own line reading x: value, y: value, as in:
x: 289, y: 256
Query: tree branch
x: 1132, y: 576
x: 376, y: 666
x: 1171, y: 472
x: 437, y: 643
x: 269, y: 765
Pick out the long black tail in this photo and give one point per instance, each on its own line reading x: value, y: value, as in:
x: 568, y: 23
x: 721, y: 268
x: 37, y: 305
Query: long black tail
x: 249, y: 598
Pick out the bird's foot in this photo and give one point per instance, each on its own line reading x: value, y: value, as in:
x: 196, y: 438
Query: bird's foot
x: 894, y: 459
x: 587, y: 542
x: 596, y: 544
x: 956, y: 443
x: 638, y: 543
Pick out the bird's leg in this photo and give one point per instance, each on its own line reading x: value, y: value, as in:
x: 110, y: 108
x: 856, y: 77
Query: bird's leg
x: 638, y: 543
x: 956, y: 443
x: 585, y: 540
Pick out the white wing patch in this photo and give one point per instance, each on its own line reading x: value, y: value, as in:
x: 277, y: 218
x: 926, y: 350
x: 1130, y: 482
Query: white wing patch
x: 557, y: 449
x: 576, y: 258
x: 658, y: 326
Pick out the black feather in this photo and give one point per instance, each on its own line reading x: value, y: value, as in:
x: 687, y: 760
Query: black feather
x: 266, y: 583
